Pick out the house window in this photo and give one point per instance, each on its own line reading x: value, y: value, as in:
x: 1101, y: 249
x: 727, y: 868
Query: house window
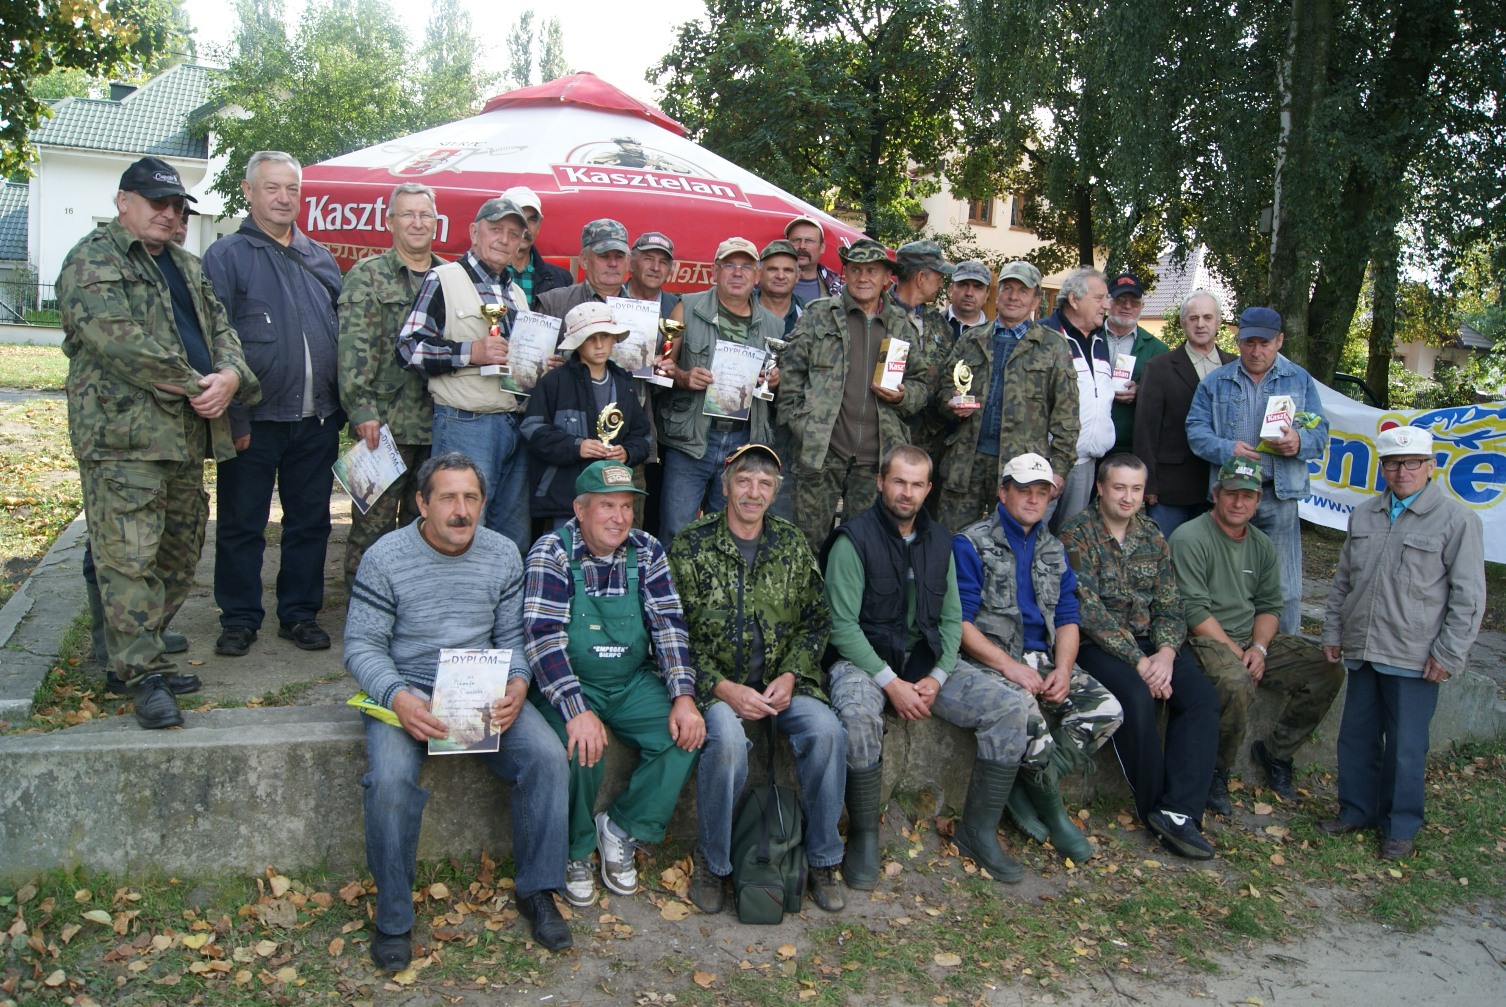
x: 980, y: 211
x: 1017, y: 210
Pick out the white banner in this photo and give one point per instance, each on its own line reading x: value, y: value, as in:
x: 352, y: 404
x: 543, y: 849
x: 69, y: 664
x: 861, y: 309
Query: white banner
x: 1469, y: 443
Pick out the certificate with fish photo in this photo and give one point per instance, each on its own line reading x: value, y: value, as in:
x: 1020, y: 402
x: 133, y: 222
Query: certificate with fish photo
x: 530, y: 344
x: 365, y: 474
x: 736, y: 367
x: 635, y: 354
x: 466, y: 684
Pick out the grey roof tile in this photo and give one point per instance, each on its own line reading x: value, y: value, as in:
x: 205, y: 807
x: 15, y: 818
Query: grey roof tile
x: 154, y: 119
x: 1175, y: 280
x: 13, y: 214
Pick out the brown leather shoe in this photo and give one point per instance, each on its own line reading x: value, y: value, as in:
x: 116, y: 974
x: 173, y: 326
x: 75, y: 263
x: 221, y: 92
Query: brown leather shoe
x: 1396, y: 849
x: 1337, y: 827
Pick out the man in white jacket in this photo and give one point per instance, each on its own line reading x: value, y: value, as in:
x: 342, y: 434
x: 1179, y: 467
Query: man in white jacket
x: 1081, y: 307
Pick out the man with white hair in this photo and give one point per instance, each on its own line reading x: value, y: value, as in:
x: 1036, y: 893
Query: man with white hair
x: 280, y: 290
x: 1081, y: 307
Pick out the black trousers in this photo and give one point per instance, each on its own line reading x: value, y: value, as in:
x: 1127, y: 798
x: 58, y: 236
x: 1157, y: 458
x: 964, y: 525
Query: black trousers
x: 1176, y: 778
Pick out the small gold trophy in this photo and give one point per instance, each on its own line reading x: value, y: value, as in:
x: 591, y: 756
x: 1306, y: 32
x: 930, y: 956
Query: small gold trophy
x: 962, y: 381
x: 670, y: 330
x: 609, y: 423
x: 494, y: 313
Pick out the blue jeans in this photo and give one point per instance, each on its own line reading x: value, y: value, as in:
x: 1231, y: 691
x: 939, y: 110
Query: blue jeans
x: 491, y: 440
x: 530, y: 758
x: 1383, y: 751
x: 688, y: 482
x: 820, y: 747
x: 297, y: 458
x: 1278, y: 519
x: 1170, y: 517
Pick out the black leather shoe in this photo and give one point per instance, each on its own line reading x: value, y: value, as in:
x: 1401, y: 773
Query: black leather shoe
x: 1336, y: 827
x: 1397, y: 849
x: 706, y: 890
x: 177, y: 684
x: 174, y: 643
x: 306, y: 635
x: 1218, y: 794
x: 155, y: 706
x: 235, y: 641
x: 549, y: 927
x: 1278, y: 772
x: 392, y: 952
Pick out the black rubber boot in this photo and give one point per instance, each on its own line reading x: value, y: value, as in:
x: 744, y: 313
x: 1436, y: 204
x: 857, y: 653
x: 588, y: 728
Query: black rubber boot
x: 1065, y: 835
x: 860, y: 863
x: 977, y: 832
x: 1022, y: 813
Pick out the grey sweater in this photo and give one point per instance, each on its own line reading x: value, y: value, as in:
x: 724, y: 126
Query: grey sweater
x: 409, y: 601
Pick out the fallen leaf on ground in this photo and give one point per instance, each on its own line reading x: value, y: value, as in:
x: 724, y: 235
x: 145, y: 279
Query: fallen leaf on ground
x: 1262, y: 808
x: 195, y: 941
x: 704, y: 979
x: 439, y: 890
x: 98, y: 916
x: 947, y: 959
x: 337, y: 945
x: 674, y: 911
x: 893, y: 868
x: 786, y: 951
x: 280, y: 885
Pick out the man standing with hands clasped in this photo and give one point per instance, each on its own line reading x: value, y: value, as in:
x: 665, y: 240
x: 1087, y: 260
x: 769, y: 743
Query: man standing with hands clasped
x: 1403, y: 611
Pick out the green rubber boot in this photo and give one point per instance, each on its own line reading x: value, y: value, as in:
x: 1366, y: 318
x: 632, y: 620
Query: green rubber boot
x: 1022, y: 813
x: 860, y: 863
x: 977, y: 834
x: 1065, y: 835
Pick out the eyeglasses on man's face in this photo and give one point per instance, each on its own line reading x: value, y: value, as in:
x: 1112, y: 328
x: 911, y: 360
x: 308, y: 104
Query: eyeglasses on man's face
x: 1397, y: 464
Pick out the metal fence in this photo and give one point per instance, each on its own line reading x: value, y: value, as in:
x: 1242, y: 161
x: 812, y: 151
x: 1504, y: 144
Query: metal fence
x: 24, y: 301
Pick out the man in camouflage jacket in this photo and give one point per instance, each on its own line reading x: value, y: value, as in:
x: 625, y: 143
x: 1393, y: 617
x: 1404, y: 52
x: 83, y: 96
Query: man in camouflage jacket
x: 153, y: 365
x: 840, y: 422
x: 1032, y: 408
x: 375, y: 388
x: 758, y: 627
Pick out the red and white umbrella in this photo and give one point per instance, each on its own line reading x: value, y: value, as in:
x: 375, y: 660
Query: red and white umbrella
x: 589, y: 150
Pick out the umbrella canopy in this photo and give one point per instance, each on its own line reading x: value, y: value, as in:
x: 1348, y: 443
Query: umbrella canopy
x: 589, y: 150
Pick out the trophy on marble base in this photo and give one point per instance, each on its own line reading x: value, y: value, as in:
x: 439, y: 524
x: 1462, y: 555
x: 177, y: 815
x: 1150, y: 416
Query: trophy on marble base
x: 962, y: 382
x: 494, y: 313
x: 770, y: 364
x: 669, y: 330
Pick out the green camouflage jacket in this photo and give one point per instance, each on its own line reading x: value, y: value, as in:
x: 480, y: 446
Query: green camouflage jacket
x: 374, y: 385
x: 1124, y: 591
x: 722, y: 598
x: 121, y: 342
x: 998, y: 615
x: 934, y: 338
x: 1040, y: 402
x: 813, y: 368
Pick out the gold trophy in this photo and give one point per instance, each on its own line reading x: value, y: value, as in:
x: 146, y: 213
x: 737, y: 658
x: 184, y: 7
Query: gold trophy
x: 962, y: 381
x: 609, y: 423
x: 670, y: 330
x: 494, y: 314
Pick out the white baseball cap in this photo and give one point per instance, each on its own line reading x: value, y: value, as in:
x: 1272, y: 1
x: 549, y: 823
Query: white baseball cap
x: 1404, y: 441
x: 524, y: 197
x: 1028, y: 468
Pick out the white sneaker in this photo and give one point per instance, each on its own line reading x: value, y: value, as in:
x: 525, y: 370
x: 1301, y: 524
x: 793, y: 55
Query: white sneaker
x: 580, y: 883
x: 619, y: 870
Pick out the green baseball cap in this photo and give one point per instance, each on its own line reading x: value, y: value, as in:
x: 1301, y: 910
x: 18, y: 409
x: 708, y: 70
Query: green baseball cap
x: 865, y: 250
x: 924, y: 254
x: 1239, y: 474
x: 606, y: 477
x: 604, y: 235
x: 778, y: 246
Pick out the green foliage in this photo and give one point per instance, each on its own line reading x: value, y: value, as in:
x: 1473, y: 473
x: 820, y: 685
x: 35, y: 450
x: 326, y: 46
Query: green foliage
x: 529, y: 35
x: 347, y: 79
x: 834, y: 102
x: 89, y: 36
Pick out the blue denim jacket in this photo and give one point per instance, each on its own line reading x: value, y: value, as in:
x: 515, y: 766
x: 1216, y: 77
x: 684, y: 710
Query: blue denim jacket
x: 1216, y: 408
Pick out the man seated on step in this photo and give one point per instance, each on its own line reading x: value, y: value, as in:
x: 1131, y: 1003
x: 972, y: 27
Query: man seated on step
x: 607, y: 641
x: 895, y: 626
x: 445, y: 582
x: 1020, y: 620
x: 758, y: 627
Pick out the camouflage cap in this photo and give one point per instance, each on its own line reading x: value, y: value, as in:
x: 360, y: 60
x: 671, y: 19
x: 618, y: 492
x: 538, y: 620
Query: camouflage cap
x: 606, y: 477
x: 924, y: 254
x: 974, y: 270
x: 604, y: 235
x: 1239, y: 474
x: 865, y: 250
x: 498, y: 207
x: 778, y: 246
x: 1022, y: 271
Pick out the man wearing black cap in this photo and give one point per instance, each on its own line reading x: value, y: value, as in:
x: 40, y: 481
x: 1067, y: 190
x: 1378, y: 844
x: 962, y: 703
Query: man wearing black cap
x: 651, y: 263
x: 280, y: 289
x: 448, y: 339
x: 1127, y: 339
x: 153, y: 366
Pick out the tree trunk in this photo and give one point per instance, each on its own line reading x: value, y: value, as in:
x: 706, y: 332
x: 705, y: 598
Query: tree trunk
x: 1301, y: 80
x: 1383, y: 266
x: 1336, y: 293
x: 1083, y: 197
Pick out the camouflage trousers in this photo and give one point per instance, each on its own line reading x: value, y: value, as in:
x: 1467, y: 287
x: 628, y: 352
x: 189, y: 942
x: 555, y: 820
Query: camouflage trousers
x: 958, y: 509
x: 392, y: 510
x: 818, y: 490
x: 146, y: 529
x: 1088, y: 716
x: 1294, y: 667
x: 972, y: 698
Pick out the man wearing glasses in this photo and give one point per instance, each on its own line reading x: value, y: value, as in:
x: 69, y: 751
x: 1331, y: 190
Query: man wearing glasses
x: 809, y: 239
x: 374, y: 388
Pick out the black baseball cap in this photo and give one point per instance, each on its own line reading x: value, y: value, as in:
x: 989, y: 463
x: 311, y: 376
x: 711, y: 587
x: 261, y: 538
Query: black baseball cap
x: 154, y: 178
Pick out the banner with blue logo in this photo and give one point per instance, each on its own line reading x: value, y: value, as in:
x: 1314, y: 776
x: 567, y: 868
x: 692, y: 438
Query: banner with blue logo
x: 1469, y: 443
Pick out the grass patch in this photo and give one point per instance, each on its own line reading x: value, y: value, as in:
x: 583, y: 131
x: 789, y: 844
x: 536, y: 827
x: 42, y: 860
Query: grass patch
x: 33, y: 367
x: 289, y: 694
x: 39, y: 490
